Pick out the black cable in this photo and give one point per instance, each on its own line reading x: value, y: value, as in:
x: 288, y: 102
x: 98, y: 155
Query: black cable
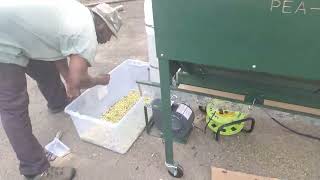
x: 276, y: 121
x: 291, y: 130
x: 198, y: 128
x: 205, y: 128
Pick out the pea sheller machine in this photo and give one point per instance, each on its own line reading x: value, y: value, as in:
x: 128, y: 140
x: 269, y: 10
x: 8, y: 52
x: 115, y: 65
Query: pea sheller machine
x: 265, y: 52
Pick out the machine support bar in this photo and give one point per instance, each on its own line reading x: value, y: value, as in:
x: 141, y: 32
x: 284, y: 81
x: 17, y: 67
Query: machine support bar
x: 165, y: 108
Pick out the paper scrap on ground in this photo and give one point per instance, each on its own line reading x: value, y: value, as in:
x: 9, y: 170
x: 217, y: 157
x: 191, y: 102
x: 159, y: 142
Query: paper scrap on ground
x: 223, y: 174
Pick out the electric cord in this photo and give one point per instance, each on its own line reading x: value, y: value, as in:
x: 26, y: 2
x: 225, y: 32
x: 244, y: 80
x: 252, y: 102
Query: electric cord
x: 291, y: 130
x: 277, y: 122
x: 197, y: 127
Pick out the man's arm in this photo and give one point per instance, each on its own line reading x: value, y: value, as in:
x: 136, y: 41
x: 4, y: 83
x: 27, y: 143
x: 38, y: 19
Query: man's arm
x: 63, y: 68
x: 77, y: 77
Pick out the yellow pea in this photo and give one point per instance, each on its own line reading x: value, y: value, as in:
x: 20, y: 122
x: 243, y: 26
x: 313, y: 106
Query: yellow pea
x: 119, y: 109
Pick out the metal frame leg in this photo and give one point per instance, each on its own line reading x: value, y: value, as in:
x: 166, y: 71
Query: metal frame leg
x: 146, y: 118
x: 165, y: 80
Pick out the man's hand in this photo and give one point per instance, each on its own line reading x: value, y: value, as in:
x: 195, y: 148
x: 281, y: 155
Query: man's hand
x: 79, y: 78
x: 102, y: 79
x: 72, y: 92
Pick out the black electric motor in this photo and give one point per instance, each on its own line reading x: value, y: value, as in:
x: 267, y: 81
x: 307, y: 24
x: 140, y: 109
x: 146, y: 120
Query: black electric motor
x: 182, y: 118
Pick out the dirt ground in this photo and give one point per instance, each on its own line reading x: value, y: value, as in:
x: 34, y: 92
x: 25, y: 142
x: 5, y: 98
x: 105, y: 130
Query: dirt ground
x: 268, y: 151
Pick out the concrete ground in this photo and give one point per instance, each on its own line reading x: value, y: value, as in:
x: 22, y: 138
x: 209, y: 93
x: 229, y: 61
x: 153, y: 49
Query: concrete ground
x: 268, y: 151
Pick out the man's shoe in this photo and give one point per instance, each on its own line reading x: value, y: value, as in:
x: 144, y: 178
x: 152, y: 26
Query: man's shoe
x: 55, y: 173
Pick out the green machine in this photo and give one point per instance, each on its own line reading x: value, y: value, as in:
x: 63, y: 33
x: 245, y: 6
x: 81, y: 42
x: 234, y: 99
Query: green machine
x: 265, y: 51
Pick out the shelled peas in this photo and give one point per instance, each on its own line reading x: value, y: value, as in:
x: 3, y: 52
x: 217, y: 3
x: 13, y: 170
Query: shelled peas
x: 119, y: 109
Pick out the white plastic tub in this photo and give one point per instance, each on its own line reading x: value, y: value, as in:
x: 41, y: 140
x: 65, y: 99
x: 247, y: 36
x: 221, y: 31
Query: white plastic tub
x: 86, y: 110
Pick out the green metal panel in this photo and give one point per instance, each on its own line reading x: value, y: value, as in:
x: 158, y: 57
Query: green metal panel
x: 261, y: 87
x: 276, y: 37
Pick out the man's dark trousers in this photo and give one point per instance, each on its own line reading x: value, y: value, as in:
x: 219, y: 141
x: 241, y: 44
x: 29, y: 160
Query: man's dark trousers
x: 14, y: 114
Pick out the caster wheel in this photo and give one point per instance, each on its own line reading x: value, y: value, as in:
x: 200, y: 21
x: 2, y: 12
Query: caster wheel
x: 178, y: 172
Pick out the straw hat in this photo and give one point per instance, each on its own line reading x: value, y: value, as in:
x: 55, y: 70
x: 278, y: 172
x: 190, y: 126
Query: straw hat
x: 109, y: 15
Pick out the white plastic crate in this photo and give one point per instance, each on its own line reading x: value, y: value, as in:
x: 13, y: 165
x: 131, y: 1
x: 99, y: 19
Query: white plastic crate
x: 86, y: 110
